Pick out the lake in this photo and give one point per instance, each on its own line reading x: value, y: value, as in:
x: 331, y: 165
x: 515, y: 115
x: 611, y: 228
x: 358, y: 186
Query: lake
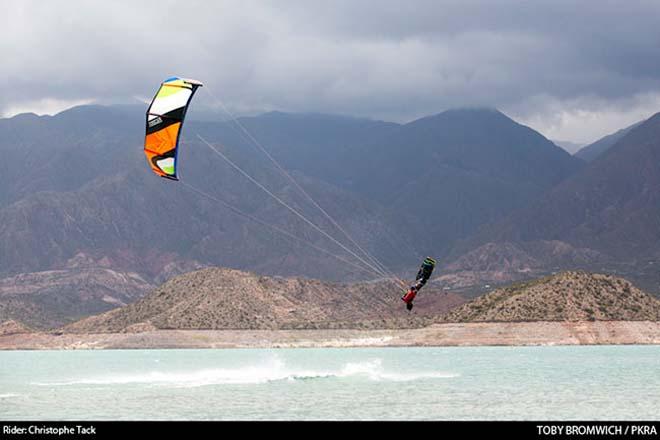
x: 453, y: 383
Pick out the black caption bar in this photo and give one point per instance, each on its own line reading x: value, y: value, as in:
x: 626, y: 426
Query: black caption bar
x: 449, y: 429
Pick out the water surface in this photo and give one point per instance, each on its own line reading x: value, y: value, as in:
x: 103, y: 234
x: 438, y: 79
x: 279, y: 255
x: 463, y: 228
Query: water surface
x: 501, y: 383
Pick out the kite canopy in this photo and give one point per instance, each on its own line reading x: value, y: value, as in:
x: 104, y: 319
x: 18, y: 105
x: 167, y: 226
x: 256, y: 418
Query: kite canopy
x: 164, y: 121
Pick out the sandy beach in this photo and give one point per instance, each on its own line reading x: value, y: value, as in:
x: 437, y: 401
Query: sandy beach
x: 465, y: 334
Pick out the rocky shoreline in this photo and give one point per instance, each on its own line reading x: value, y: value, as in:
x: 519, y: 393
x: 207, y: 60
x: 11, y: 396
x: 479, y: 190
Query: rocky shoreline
x: 446, y: 334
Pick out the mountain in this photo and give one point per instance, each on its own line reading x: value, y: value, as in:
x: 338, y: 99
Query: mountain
x: 64, y: 152
x: 479, y: 163
x: 451, y: 173
x: 592, y: 151
x: 76, y: 184
x: 217, y: 298
x: 605, y: 217
x: 316, y: 145
x: 92, y: 194
x: 568, y: 296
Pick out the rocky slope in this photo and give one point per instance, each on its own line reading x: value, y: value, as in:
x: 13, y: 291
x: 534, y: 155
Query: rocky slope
x: 218, y: 298
x: 568, y: 296
x: 12, y: 327
x: 53, y: 298
x: 495, y: 264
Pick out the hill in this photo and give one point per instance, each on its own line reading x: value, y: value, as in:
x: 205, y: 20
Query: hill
x: 216, y: 298
x: 568, y: 296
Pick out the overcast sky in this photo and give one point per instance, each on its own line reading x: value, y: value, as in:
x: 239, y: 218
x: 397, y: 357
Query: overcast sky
x: 572, y: 70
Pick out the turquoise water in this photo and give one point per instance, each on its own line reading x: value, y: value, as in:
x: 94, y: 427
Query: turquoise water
x: 461, y: 383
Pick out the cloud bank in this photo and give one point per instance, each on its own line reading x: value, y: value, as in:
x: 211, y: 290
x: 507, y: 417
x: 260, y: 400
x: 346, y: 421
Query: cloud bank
x: 573, y: 70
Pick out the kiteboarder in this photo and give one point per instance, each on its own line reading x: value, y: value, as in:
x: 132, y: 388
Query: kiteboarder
x: 423, y: 276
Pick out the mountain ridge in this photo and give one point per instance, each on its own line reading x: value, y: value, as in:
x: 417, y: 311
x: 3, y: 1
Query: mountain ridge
x: 607, y: 212
x: 592, y: 151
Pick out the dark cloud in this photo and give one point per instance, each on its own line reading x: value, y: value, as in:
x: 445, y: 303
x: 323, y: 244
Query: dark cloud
x: 571, y: 69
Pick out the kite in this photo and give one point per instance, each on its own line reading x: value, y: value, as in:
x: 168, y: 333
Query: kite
x: 164, y: 121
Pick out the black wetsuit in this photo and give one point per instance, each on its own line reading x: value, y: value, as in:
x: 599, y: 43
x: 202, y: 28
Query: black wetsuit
x: 423, y: 275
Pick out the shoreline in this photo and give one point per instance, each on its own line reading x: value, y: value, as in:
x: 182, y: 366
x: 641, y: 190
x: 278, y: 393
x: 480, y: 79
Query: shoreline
x: 437, y: 335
